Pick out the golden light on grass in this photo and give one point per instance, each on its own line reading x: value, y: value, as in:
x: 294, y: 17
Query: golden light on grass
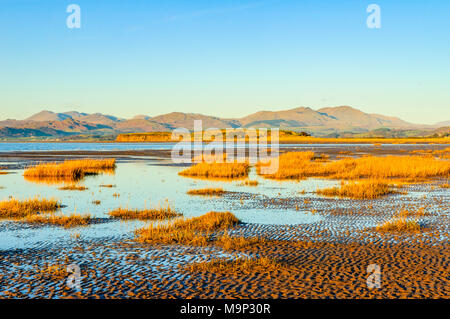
x: 73, y: 188
x: 207, y: 192
x: 363, y: 189
x: 446, y: 185
x: 54, y: 271
x: 399, y: 225
x: 14, y: 208
x: 246, y: 265
x: 158, y: 213
x: 73, y: 220
x: 217, y: 170
x: 234, y: 243
x: 192, y: 231
x: 250, y: 183
x: 69, y: 169
x: 299, y: 165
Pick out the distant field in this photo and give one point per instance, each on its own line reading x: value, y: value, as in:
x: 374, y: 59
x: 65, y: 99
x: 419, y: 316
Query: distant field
x: 290, y: 137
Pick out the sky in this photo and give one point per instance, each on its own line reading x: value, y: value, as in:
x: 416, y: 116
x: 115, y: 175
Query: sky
x: 225, y: 58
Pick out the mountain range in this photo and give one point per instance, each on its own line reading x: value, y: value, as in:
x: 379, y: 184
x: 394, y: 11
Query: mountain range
x: 322, y: 122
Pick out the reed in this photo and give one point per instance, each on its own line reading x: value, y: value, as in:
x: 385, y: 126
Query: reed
x: 14, y: 208
x: 304, y: 165
x: 157, y: 213
x: 193, y: 231
x: 399, y: 225
x: 239, y: 265
x: 73, y: 220
x: 217, y: 170
x: 73, y: 188
x: 363, y: 189
x: 207, y: 192
x: 70, y: 169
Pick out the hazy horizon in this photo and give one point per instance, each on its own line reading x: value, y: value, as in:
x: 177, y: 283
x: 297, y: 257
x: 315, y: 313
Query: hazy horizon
x: 225, y: 58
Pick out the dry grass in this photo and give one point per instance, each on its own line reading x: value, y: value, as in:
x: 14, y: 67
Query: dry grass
x: 399, y: 225
x: 53, y: 271
x: 299, y: 165
x: 446, y: 185
x: 14, y: 208
x: 250, y: 183
x: 239, y: 265
x: 73, y: 188
x: 158, y: 213
x: 73, y: 220
x: 207, y: 192
x: 193, y: 231
x: 217, y: 170
x: 235, y: 243
x: 107, y: 185
x: 364, y: 189
x: 69, y: 169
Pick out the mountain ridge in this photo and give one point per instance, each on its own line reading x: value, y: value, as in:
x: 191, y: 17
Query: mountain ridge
x: 321, y: 122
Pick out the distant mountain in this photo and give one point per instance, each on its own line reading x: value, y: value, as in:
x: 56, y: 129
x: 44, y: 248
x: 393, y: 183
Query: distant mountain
x: 329, y: 121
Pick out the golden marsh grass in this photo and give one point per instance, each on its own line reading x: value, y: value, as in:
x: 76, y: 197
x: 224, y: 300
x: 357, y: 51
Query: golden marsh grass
x: 14, y: 208
x: 363, y: 189
x: 217, y: 170
x: 69, y: 170
x: 207, y: 192
x: 73, y: 220
x: 300, y: 165
x: 399, y: 225
x: 246, y: 265
x: 193, y: 231
x: 158, y: 213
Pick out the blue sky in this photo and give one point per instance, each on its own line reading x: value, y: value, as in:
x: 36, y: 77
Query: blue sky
x: 225, y: 58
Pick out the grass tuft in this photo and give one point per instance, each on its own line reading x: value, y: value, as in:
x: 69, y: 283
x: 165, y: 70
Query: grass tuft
x: 207, y: 192
x: 159, y: 213
x: 365, y: 189
x: 74, y: 220
x: 399, y: 225
x: 217, y: 170
x: 14, y: 208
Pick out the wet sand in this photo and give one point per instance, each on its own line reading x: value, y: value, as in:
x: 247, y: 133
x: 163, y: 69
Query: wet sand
x: 323, y: 259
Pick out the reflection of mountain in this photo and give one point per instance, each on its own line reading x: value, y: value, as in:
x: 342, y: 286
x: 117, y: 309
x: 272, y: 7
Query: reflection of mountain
x: 326, y: 121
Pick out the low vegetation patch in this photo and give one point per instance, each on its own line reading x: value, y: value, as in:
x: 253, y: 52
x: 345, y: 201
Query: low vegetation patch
x: 246, y: 265
x: 194, y: 231
x: 250, y: 183
x: 299, y: 165
x: 70, y: 169
x: 364, y: 189
x: 73, y: 188
x: 207, y: 192
x: 217, y: 170
x: 159, y: 213
x: 14, y: 208
x: 73, y: 220
x: 399, y: 225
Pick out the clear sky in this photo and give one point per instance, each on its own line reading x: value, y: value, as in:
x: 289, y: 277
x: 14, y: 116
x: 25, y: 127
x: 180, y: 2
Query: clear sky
x: 225, y: 58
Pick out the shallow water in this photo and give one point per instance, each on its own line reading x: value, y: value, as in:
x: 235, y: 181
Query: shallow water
x: 41, y: 147
x: 142, y: 185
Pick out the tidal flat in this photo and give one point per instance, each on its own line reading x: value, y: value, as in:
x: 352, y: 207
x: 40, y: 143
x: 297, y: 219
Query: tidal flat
x: 290, y: 242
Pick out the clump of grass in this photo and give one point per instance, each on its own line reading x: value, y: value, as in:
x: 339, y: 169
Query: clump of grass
x: 96, y: 202
x: 250, y: 183
x: 217, y: 170
x: 399, y: 225
x: 246, y: 265
x: 14, y: 208
x: 233, y: 243
x: 299, y: 165
x: 55, y: 271
x: 364, y: 189
x: 159, y: 213
x: 107, y: 185
x: 73, y: 220
x: 70, y: 169
x: 73, y: 188
x: 446, y: 185
x: 207, y: 192
x: 193, y: 231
